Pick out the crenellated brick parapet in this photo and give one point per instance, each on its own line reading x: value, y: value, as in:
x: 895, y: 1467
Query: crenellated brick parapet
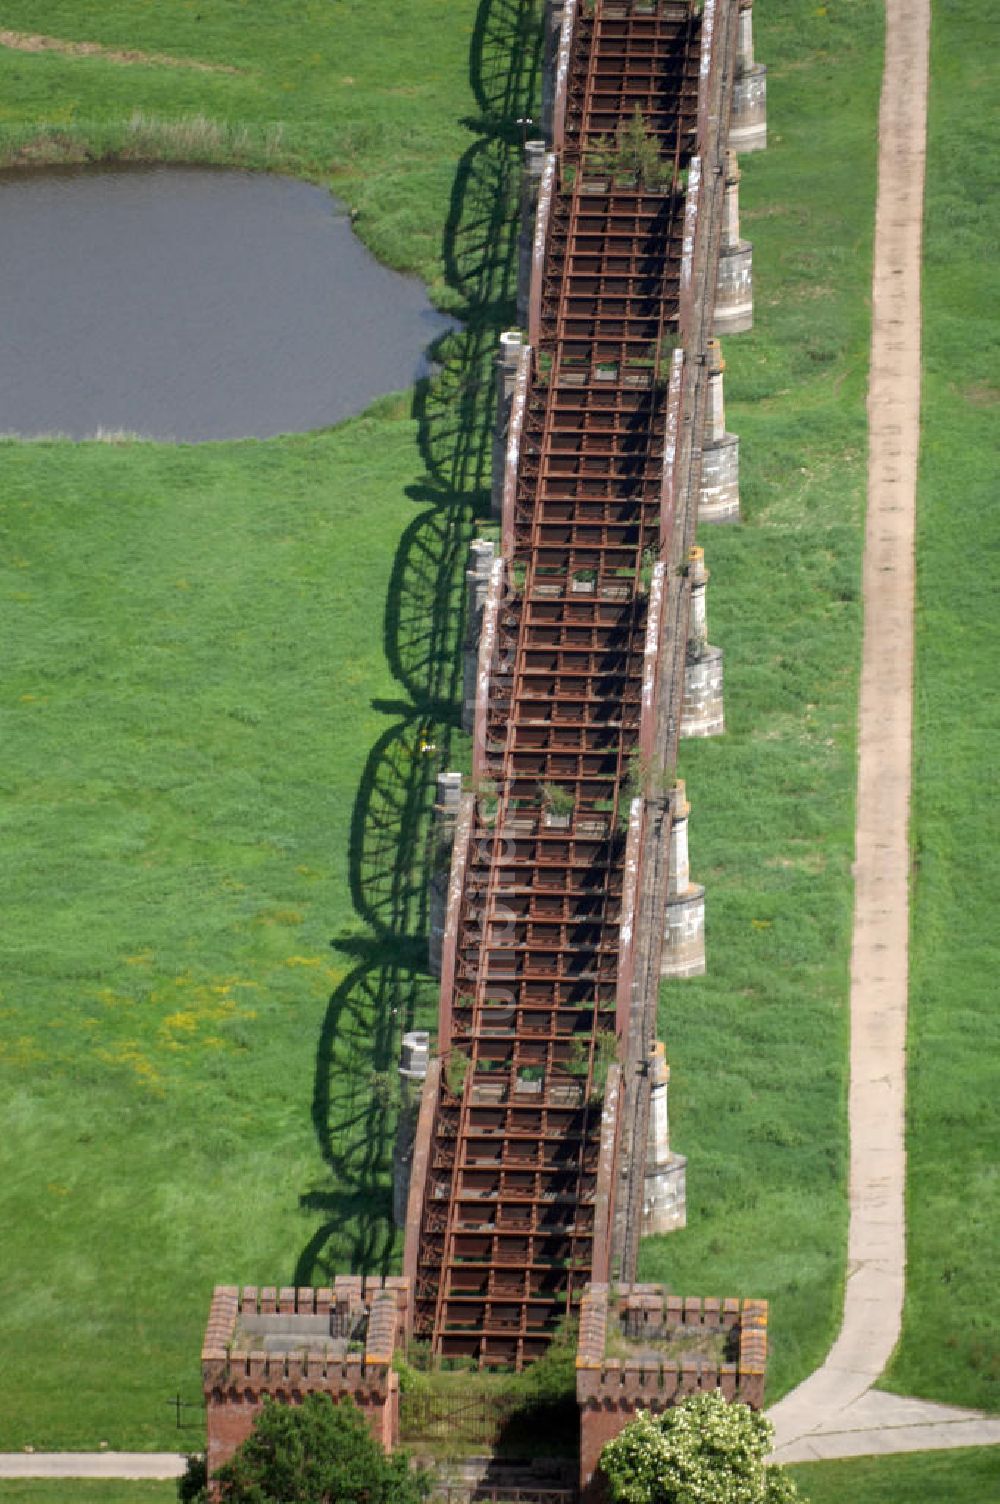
x: 284, y: 1343
x: 641, y: 1348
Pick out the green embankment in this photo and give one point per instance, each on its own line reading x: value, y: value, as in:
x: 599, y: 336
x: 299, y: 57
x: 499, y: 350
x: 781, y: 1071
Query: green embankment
x: 967, y: 1476
x: 758, y: 1047
x: 951, y: 1325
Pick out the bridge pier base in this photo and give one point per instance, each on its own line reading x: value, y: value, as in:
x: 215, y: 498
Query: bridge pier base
x: 477, y: 580
x: 734, y: 289
x: 553, y: 28
x: 508, y: 364
x: 446, y: 805
x: 664, y: 1199
x: 702, y: 711
x: 719, y: 497
x: 413, y: 1062
x: 531, y: 179
x: 683, y: 953
x: 748, y: 121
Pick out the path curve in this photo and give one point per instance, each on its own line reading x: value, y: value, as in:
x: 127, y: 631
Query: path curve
x: 835, y: 1412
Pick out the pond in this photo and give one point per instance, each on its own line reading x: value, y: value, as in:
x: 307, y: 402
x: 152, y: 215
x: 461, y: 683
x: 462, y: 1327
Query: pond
x: 193, y: 304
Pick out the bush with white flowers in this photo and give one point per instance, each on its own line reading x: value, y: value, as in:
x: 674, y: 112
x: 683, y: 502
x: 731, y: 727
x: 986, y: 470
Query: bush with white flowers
x: 706, y: 1450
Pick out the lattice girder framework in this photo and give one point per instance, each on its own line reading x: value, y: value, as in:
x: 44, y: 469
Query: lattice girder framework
x: 513, y: 1206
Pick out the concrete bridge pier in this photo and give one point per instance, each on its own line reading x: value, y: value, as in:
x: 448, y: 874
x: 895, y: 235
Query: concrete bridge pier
x: 719, y: 498
x: 550, y: 58
x: 531, y: 178
x: 683, y: 953
x: 446, y: 805
x: 477, y: 581
x: 664, y: 1200
x: 748, y: 121
x: 734, y: 290
x: 702, y: 711
x: 413, y: 1061
x: 508, y: 364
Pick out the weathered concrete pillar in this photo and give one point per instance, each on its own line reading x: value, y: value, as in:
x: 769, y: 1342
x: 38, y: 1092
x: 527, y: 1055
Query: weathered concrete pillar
x: 719, y: 499
x: 664, y: 1204
x: 531, y: 177
x: 748, y: 122
x: 413, y: 1061
x: 477, y: 582
x: 550, y: 61
x: 683, y: 952
x: 449, y: 794
x: 507, y: 367
x: 734, y: 290
x: 702, y: 711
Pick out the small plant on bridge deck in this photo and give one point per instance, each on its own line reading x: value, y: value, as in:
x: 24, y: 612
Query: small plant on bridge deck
x: 455, y: 1071
x: 605, y: 1056
x: 637, y: 156
x: 557, y: 801
x: 487, y: 798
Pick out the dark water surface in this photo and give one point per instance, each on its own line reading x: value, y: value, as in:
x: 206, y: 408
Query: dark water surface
x: 185, y: 303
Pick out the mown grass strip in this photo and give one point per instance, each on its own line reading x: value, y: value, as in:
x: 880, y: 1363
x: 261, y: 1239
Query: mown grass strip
x: 84, y: 1491
x: 968, y: 1476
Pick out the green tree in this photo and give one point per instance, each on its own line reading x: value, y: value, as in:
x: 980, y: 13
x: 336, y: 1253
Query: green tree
x: 317, y: 1453
x: 703, y: 1451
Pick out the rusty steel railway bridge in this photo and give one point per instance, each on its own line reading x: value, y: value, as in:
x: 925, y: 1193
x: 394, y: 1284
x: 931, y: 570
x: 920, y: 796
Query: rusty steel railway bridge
x: 530, y: 1150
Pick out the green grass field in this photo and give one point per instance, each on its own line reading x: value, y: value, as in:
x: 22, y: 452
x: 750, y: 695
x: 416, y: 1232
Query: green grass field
x: 951, y: 1331
x: 226, y: 664
x: 232, y: 674
x: 370, y: 96
x: 758, y: 1046
x: 970, y: 1476
x: 84, y: 1491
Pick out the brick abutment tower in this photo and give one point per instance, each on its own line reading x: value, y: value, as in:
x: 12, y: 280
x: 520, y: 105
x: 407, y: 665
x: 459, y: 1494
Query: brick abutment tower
x: 534, y: 1147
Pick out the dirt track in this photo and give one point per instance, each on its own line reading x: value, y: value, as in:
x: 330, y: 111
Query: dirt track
x: 835, y: 1412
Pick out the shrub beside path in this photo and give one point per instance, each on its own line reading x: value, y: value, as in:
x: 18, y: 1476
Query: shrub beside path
x: 836, y: 1412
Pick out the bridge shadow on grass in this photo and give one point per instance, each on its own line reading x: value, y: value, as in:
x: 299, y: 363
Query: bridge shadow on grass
x: 388, y: 989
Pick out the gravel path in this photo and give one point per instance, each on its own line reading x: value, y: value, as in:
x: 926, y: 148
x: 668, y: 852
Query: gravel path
x: 835, y: 1412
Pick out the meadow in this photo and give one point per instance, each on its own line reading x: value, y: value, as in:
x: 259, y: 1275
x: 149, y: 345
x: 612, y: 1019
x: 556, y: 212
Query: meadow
x: 950, y: 1348
x: 967, y: 1476
x: 232, y: 672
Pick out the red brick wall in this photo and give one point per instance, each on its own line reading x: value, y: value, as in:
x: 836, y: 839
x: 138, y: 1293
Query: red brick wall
x: 231, y: 1416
